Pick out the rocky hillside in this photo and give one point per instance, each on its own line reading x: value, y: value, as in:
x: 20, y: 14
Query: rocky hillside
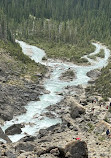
x: 19, y: 82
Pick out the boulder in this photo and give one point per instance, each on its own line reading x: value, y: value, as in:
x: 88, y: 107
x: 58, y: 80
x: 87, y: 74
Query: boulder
x: 14, y: 129
x: 101, y: 127
x: 68, y: 75
x: 26, y: 146
x: 55, y: 152
x: 43, y: 132
x: 49, y: 114
x: 108, y: 117
x: 10, y: 154
x: 83, y: 102
x: 75, y: 109
x: 5, y: 116
x: 4, y: 136
x: 93, y: 74
x: 28, y: 138
x: 48, y: 156
x: 76, y: 149
x: 27, y: 155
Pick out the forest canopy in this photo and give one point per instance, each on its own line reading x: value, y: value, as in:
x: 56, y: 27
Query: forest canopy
x: 69, y: 21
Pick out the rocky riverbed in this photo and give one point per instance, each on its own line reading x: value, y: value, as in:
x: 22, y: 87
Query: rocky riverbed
x: 81, y: 134
x: 58, y: 141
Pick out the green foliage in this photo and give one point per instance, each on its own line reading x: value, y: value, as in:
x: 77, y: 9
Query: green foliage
x: 106, y: 119
x: 75, y: 21
x: 101, y: 138
x: 101, y: 54
x: 109, y: 109
x: 91, y: 127
x: 23, y: 63
x: 63, y: 51
x: 92, y: 57
x: 16, y: 51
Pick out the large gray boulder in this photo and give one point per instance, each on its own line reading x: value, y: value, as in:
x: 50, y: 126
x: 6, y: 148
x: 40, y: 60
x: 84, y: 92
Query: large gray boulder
x: 93, y: 74
x: 5, y: 116
x: 4, y: 136
x: 14, y: 129
x: 76, y: 110
x: 26, y: 146
x: 101, y: 127
x: 76, y: 149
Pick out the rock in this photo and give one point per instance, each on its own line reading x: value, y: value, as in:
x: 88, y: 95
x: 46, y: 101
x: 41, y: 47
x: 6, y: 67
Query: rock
x: 68, y: 75
x: 102, y: 155
x: 83, y: 102
x: 54, y: 128
x: 94, y: 74
x: 49, y: 114
x: 26, y: 146
x: 108, y: 117
x: 75, y: 128
x: 59, y: 93
x: 4, y: 136
x: 76, y: 149
x: 9, y: 154
x: 28, y: 138
x: 14, y: 129
x: 76, y: 109
x: 2, y: 79
x: 5, y: 116
x: 91, y: 81
x: 101, y: 127
x: 27, y: 155
x: 42, y: 132
x: 47, y: 139
x: 46, y: 91
x: 55, y: 152
x: 48, y: 156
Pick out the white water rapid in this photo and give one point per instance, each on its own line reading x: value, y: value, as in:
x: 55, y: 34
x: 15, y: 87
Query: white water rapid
x: 54, y: 85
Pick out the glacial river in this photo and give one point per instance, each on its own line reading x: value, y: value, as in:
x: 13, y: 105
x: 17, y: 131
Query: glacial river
x: 54, y: 85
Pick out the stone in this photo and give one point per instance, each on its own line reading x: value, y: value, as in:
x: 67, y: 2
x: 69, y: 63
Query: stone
x: 14, y: 129
x: 101, y: 127
x: 83, y: 102
x: 28, y: 138
x: 9, y: 154
x: 48, y: 156
x: 4, y: 136
x: 42, y: 132
x: 26, y: 146
x: 77, y: 149
x: 76, y: 109
x: 49, y: 114
x: 68, y: 75
x: 94, y: 74
x: 5, y: 116
x: 55, y: 152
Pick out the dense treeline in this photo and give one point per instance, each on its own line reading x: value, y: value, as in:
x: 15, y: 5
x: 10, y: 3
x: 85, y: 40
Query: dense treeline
x: 74, y: 21
x: 5, y: 32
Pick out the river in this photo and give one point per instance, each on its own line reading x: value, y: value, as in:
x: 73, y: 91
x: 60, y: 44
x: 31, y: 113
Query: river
x: 54, y: 85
